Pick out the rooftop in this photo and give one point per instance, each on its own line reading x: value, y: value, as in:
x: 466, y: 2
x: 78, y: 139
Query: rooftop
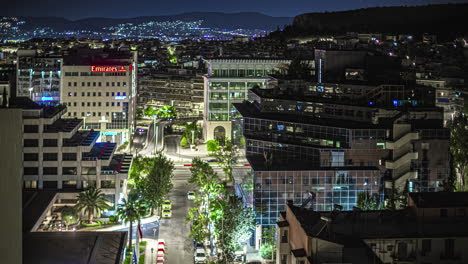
x: 440, y: 199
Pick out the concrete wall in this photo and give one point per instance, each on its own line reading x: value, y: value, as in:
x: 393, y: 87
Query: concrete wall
x: 11, y: 158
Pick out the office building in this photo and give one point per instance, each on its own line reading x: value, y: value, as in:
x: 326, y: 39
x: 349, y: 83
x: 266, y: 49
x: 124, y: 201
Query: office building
x: 339, y: 141
x: 38, y: 77
x: 227, y: 82
x: 99, y: 87
x: 56, y: 155
x: 182, y: 88
x: 432, y: 229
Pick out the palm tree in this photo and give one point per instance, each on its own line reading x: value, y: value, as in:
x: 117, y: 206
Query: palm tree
x: 131, y: 211
x: 93, y: 201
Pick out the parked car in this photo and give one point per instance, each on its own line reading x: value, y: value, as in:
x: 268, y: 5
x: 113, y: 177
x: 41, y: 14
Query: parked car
x: 212, y: 160
x: 166, y: 204
x: 191, y: 195
x: 167, y: 213
x: 200, y: 255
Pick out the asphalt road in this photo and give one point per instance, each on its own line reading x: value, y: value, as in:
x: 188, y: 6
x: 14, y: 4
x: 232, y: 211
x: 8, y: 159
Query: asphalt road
x: 175, y: 230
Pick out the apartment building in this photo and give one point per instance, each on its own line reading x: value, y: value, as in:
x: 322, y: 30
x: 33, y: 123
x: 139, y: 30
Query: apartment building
x: 57, y: 155
x: 338, y: 142
x: 38, y: 76
x: 227, y: 82
x: 432, y: 229
x: 182, y: 88
x: 99, y: 87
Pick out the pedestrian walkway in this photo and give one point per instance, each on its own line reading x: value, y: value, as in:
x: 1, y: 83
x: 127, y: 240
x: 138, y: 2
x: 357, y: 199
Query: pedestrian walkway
x: 125, y: 225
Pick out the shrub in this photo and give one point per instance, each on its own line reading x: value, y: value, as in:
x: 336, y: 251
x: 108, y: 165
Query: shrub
x: 113, y: 219
x: 242, y: 141
x: 212, y: 145
x: 183, y: 142
x: 267, y: 251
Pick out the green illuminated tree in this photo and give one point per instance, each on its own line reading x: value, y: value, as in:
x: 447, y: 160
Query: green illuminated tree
x: 131, y: 210
x: 192, y: 132
x: 366, y: 201
x: 69, y: 216
x: 157, y: 183
x: 227, y: 156
x: 92, y: 201
x: 459, y: 149
x: 212, y: 145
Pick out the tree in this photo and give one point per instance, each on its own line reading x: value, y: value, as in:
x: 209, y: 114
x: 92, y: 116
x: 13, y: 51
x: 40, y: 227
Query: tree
x: 268, y: 246
x: 212, y: 145
x: 189, y: 135
x: 459, y: 149
x: 92, y: 201
x: 450, y: 183
x: 227, y: 155
x: 157, y: 183
x: 130, y: 210
x: 183, y: 141
x: 234, y: 227
x: 69, y: 216
x: 149, y: 111
x: 167, y: 111
x: 366, y: 201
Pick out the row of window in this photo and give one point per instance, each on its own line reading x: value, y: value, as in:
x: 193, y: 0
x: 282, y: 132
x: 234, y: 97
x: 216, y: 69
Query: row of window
x: 87, y: 114
x: 75, y: 94
x: 49, y: 156
x: 95, y: 74
x: 83, y: 104
x: 109, y: 184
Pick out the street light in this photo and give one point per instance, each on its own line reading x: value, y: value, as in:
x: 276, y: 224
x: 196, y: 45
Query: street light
x: 155, y: 133
x: 193, y: 138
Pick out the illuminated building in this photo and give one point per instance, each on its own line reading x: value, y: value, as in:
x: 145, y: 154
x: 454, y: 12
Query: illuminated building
x: 100, y: 88
x: 38, y: 77
x: 432, y: 229
x: 227, y: 82
x: 56, y: 155
x: 182, y: 88
x: 300, y: 140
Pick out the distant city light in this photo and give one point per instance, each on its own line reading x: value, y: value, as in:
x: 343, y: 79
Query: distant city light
x: 120, y: 97
x: 47, y: 98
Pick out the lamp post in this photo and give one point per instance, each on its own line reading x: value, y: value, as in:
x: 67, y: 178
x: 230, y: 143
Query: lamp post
x: 193, y: 138
x: 155, y: 133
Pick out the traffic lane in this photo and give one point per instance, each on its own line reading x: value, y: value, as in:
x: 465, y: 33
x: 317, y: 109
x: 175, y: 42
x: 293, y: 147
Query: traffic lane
x: 146, y: 229
x: 175, y: 230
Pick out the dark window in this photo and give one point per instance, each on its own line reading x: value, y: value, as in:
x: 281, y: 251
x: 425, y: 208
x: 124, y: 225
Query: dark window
x: 50, y: 170
x: 68, y: 184
x: 315, y: 181
x: 284, y: 236
x: 268, y: 181
x: 31, y: 128
x: 449, y: 248
x: 443, y: 213
x: 31, y: 142
x: 69, y: 170
x: 30, y: 170
x: 107, y: 184
x: 49, y: 184
x: 50, y: 142
x: 31, y: 157
x: 426, y: 246
x: 290, y: 180
x: 50, y: 156
x: 69, y: 156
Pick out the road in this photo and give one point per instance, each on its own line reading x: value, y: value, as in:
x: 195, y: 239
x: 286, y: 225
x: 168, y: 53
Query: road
x: 175, y: 230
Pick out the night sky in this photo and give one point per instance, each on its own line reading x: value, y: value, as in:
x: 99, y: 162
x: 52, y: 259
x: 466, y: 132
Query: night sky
x: 76, y: 9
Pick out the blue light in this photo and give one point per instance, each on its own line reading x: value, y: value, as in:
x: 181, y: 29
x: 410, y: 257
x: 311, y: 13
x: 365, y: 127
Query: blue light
x: 371, y: 103
x: 395, y: 102
x: 280, y: 127
x: 120, y: 97
x: 47, y: 98
x: 109, y: 133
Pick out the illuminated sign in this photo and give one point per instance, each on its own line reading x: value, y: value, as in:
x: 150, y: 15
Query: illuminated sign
x: 120, y: 97
x: 108, y: 69
x: 109, y: 133
x: 47, y: 98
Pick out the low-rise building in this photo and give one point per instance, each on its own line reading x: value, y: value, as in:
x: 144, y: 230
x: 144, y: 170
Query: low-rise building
x: 432, y: 229
x: 56, y: 155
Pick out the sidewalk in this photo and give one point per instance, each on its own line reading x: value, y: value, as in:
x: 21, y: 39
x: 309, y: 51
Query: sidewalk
x: 122, y: 226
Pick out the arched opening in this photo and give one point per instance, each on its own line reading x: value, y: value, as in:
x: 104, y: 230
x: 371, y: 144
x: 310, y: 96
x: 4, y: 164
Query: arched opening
x: 219, y: 132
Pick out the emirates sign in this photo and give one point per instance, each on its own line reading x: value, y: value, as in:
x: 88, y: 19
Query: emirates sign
x: 108, y: 69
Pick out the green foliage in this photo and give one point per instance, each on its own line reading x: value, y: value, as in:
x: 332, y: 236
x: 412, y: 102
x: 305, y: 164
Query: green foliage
x: 242, y: 141
x: 234, y: 227
x: 366, y: 201
x: 183, y: 142
x: 267, y: 251
x: 140, y: 166
x: 149, y: 111
x: 92, y: 201
x: 227, y: 155
x: 197, y: 132
x: 114, y: 219
x: 131, y: 210
x: 172, y: 57
x: 450, y: 183
x: 166, y: 111
x: 157, y: 183
x: 123, y: 146
x: 459, y: 149
x: 69, y: 215
x: 94, y: 224
x: 212, y: 145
